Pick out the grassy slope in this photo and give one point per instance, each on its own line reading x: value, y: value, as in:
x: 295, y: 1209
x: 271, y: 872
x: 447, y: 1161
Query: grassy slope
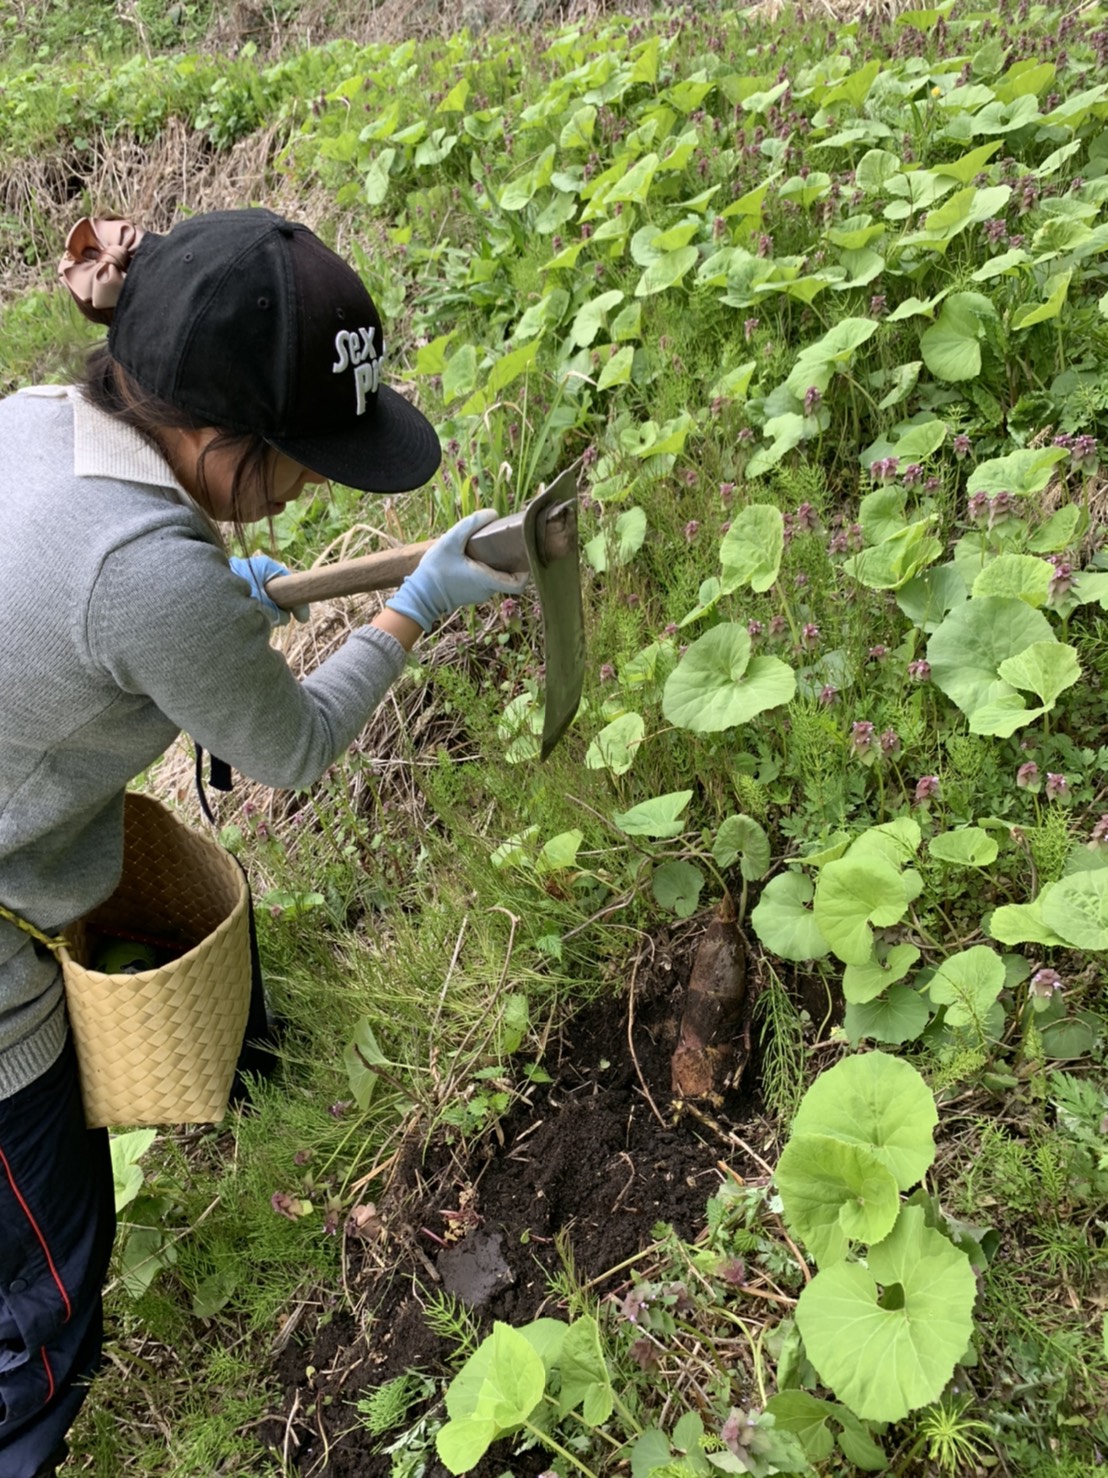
x: 395, y: 855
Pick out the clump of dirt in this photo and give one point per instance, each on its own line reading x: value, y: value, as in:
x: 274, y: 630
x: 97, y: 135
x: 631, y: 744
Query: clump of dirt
x: 596, y: 1159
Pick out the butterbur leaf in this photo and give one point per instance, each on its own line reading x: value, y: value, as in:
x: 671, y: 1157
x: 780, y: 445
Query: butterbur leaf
x: 966, y: 650
x: 717, y: 685
x: 950, y: 347
x: 1045, y: 668
x: 617, y: 371
x: 592, y: 316
x: 886, y: 1353
x: 495, y: 1391
x: 615, y: 747
x: 1023, y: 923
x: 898, y: 1015
x: 834, y: 1193
x: 741, y: 836
x: 783, y: 921
x: 968, y: 983
x: 127, y: 1150
x: 969, y: 846
x: 852, y: 894
x: 863, y: 982
x: 677, y: 886
x: 1020, y: 576
x: 1027, y: 470
x: 585, y: 1380
x: 878, y: 1101
x: 1076, y: 908
x: 659, y: 817
x: 751, y: 550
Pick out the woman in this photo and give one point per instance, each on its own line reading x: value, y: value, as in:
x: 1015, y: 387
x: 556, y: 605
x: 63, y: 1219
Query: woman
x: 243, y: 362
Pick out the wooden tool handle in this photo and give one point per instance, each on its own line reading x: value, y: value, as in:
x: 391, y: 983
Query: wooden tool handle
x: 381, y: 571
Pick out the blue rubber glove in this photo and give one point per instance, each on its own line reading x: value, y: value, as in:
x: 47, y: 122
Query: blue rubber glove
x: 256, y: 571
x: 446, y: 578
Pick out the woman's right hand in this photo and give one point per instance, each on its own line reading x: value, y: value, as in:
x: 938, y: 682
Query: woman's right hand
x: 446, y: 578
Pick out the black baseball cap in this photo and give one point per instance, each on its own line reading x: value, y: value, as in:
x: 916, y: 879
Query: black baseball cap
x: 250, y: 323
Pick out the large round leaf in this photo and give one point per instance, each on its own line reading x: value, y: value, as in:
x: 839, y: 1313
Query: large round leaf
x: 752, y: 548
x: 878, y: 1101
x: 886, y: 1337
x: 899, y: 1015
x: 717, y: 684
x: 862, y: 983
x: 1077, y: 909
x: 966, y: 651
x: 967, y: 984
x: 950, y: 347
x: 835, y: 1193
x: 852, y: 894
x: 783, y: 921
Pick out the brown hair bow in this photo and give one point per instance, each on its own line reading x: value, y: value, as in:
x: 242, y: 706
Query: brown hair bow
x: 98, y: 252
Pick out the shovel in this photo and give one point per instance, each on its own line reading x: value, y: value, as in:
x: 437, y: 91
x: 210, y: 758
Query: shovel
x: 542, y: 537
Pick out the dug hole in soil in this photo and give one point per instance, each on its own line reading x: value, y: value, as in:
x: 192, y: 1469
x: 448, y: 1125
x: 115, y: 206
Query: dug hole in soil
x: 585, y: 1157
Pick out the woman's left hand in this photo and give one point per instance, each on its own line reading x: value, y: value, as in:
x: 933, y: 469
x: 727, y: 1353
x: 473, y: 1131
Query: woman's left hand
x: 257, y: 571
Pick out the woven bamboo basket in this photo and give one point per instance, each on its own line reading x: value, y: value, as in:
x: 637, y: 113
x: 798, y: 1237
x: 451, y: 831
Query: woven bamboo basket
x: 160, y: 1047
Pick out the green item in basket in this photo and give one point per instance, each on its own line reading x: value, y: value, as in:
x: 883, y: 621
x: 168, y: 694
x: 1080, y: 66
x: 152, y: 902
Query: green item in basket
x: 124, y: 957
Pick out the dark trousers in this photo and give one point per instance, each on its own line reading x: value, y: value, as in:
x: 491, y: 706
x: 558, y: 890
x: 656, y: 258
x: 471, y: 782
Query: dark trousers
x: 57, y: 1222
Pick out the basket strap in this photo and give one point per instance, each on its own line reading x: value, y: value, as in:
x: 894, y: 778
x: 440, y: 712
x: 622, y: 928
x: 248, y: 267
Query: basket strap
x: 219, y: 777
x: 53, y: 942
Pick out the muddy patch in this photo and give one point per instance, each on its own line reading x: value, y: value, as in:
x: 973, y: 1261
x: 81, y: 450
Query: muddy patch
x: 581, y: 1173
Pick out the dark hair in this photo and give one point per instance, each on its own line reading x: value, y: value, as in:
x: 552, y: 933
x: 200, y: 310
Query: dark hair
x: 107, y: 385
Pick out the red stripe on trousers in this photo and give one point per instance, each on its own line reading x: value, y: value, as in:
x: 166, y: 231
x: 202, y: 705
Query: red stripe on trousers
x: 41, y: 1240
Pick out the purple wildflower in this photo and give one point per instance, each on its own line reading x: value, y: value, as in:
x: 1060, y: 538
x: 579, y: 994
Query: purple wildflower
x: 607, y: 673
x: 1045, y: 983
x: 977, y: 507
x: 1098, y: 837
x: 809, y: 636
x: 878, y: 306
x: 1002, y: 507
x: 807, y: 519
x: 1085, y: 454
x: 878, y: 653
x: 884, y: 469
x: 754, y: 628
x: 920, y: 670
x: 750, y: 328
x: 812, y: 398
x: 827, y: 695
x: 961, y: 446
x: 727, y: 493
x: 927, y: 789
x: 1027, y: 775
x: 692, y: 528
x: 1061, y: 582
x: 913, y: 475
x: 890, y: 744
x: 1056, y: 786
x: 861, y: 738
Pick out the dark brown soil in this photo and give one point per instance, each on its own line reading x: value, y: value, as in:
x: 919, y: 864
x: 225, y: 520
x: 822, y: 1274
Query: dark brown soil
x: 587, y: 1158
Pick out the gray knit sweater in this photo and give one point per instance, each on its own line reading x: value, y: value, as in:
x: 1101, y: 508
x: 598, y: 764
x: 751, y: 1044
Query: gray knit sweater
x: 121, y: 624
